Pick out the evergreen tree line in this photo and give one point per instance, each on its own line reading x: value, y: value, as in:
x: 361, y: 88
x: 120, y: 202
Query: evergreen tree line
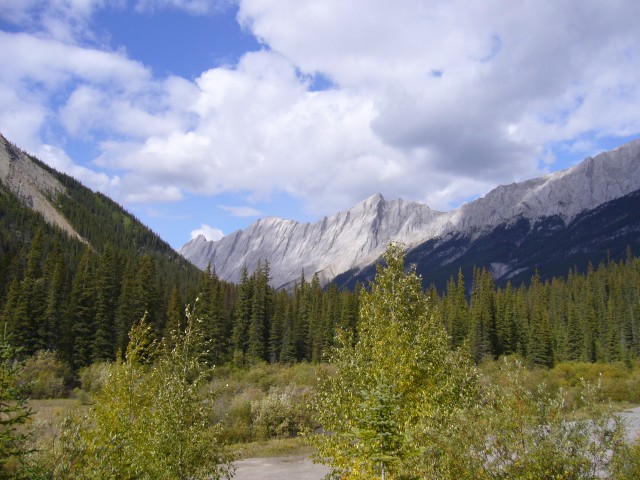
x: 83, y: 309
x: 592, y: 317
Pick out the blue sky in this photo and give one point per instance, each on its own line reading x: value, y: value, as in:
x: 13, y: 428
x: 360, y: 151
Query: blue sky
x: 201, y: 116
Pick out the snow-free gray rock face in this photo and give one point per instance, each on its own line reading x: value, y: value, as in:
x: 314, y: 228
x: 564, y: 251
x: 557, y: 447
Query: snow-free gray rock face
x: 327, y: 247
x: 32, y: 184
x: 355, y: 238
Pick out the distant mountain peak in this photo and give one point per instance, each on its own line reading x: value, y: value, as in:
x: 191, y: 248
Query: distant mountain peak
x: 354, y: 238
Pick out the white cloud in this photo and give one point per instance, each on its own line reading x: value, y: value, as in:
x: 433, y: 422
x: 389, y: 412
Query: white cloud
x: 44, y: 66
x: 210, y: 233
x: 241, y: 211
x: 435, y: 101
x: 59, y: 160
x: 65, y: 20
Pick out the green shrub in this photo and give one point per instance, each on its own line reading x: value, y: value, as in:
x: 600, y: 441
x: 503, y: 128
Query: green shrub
x: 44, y: 375
x: 281, y: 414
x: 627, y: 466
x: 516, y: 432
x: 150, y: 420
x: 238, y: 425
x: 94, y: 377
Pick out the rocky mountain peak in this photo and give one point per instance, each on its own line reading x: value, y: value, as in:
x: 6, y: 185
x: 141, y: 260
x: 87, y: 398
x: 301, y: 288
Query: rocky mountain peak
x: 354, y: 238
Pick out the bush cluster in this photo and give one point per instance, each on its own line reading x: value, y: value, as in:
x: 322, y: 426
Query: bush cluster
x: 44, y: 375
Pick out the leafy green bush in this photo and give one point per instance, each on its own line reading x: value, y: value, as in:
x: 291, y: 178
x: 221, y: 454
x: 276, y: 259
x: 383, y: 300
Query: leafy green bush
x: 282, y: 413
x: 514, y: 432
x: 390, y: 385
x: 150, y: 420
x: 94, y: 377
x: 627, y: 465
x: 14, y: 412
x: 238, y: 391
x: 44, y: 375
x: 238, y: 422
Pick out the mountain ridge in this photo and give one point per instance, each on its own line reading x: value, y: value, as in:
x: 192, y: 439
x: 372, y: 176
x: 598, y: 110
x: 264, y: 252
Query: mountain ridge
x: 353, y: 239
x: 33, y: 185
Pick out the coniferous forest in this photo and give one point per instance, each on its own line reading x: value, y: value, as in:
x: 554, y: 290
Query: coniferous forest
x: 81, y: 301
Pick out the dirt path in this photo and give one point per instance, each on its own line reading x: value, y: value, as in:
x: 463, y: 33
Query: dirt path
x: 301, y: 468
x: 284, y: 468
x: 632, y: 422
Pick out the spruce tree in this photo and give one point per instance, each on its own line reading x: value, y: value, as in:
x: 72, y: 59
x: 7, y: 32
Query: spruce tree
x: 107, y: 291
x: 242, y: 317
x: 81, y: 313
x: 175, y: 314
x: 57, y: 297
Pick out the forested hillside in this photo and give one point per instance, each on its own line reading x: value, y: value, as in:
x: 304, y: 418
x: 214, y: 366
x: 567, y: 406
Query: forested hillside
x: 80, y: 298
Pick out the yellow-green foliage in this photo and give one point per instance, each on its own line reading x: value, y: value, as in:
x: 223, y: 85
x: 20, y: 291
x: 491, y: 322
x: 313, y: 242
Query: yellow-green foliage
x: 618, y: 382
x: 245, y: 399
x: 14, y: 412
x: 401, y: 405
x: 282, y: 413
x: 392, y: 384
x: 627, y: 465
x: 150, y: 420
x: 44, y: 375
x: 517, y: 432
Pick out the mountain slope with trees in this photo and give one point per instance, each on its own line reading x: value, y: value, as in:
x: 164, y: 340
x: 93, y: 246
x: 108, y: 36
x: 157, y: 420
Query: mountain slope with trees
x: 75, y: 280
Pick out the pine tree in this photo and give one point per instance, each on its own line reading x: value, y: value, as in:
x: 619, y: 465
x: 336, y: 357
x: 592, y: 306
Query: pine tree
x: 29, y: 323
x: 14, y: 412
x: 539, y: 350
x: 460, y: 313
x: 176, y: 318
x: 482, y: 316
x: 57, y: 297
x: 148, y: 291
x: 107, y: 290
x: 259, y: 319
x: 130, y: 308
x: 315, y: 320
x: 242, y: 317
x: 82, y: 311
x: 288, y: 352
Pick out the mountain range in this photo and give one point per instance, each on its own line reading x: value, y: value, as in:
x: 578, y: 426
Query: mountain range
x: 551, y: 223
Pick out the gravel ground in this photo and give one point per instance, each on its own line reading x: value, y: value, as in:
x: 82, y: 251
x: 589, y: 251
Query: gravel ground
x: 301, y: 468
x: 632, y: 421
x: 284, y: 468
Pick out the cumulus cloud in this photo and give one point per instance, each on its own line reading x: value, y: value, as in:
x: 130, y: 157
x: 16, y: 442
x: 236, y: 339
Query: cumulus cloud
x: 59, y: 160
x: 64, y: 20
x: 210, y: 233
x: 434, y: 101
